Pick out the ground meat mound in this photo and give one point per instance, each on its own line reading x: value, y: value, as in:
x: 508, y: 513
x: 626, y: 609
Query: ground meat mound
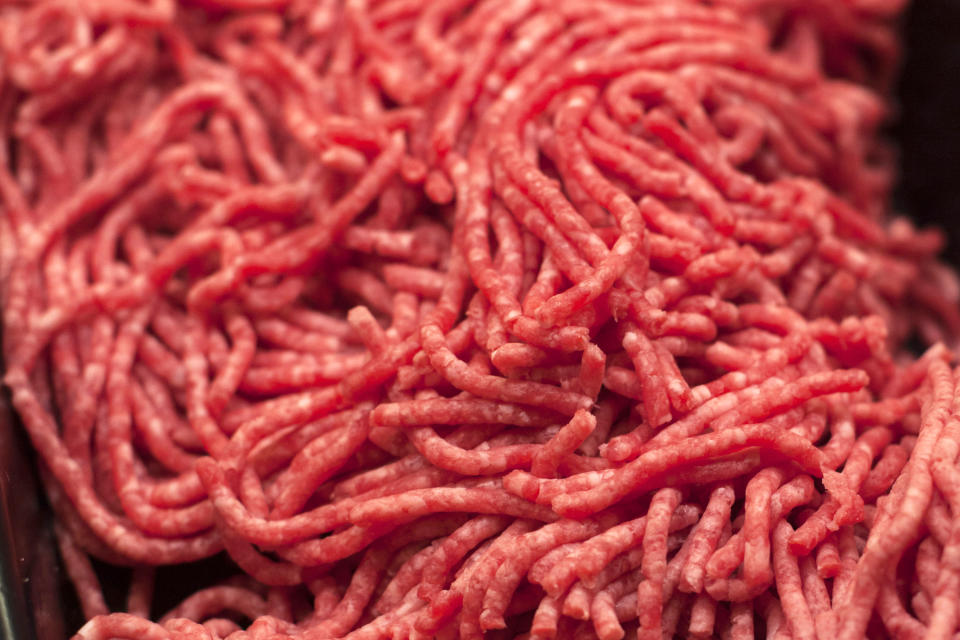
x: 451, y: 319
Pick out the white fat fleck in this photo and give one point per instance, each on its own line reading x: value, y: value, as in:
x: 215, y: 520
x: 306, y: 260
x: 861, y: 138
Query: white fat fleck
x: 653, y: 297
x: 417, y: 505
x: 20, y: 395
x: 477, y: 254
x: 459, y: 169
x: 580, y: 65
x: 700, y: 394
x: 298, y: 372
x: 83, y: 66
x: 511, y: 93
x: 622, y: 200
x: 384, y: 414
x: 93, y: 372
x: 116, y: 533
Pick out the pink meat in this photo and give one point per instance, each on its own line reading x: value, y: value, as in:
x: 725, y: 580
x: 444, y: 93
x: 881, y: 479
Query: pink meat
x: 443, y: 319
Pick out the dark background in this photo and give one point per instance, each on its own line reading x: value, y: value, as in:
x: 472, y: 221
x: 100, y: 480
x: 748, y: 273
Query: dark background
x: 928, y: 130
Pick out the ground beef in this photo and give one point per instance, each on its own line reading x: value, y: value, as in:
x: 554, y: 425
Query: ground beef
x: 440, y: 319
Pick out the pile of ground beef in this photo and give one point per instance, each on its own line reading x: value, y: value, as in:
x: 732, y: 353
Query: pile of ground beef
x: 452, y: 319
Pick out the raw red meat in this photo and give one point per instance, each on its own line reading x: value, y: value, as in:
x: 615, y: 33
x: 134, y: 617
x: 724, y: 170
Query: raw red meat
x: 567, y: 319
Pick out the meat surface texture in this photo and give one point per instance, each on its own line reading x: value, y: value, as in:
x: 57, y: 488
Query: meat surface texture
x: 452, y: 319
